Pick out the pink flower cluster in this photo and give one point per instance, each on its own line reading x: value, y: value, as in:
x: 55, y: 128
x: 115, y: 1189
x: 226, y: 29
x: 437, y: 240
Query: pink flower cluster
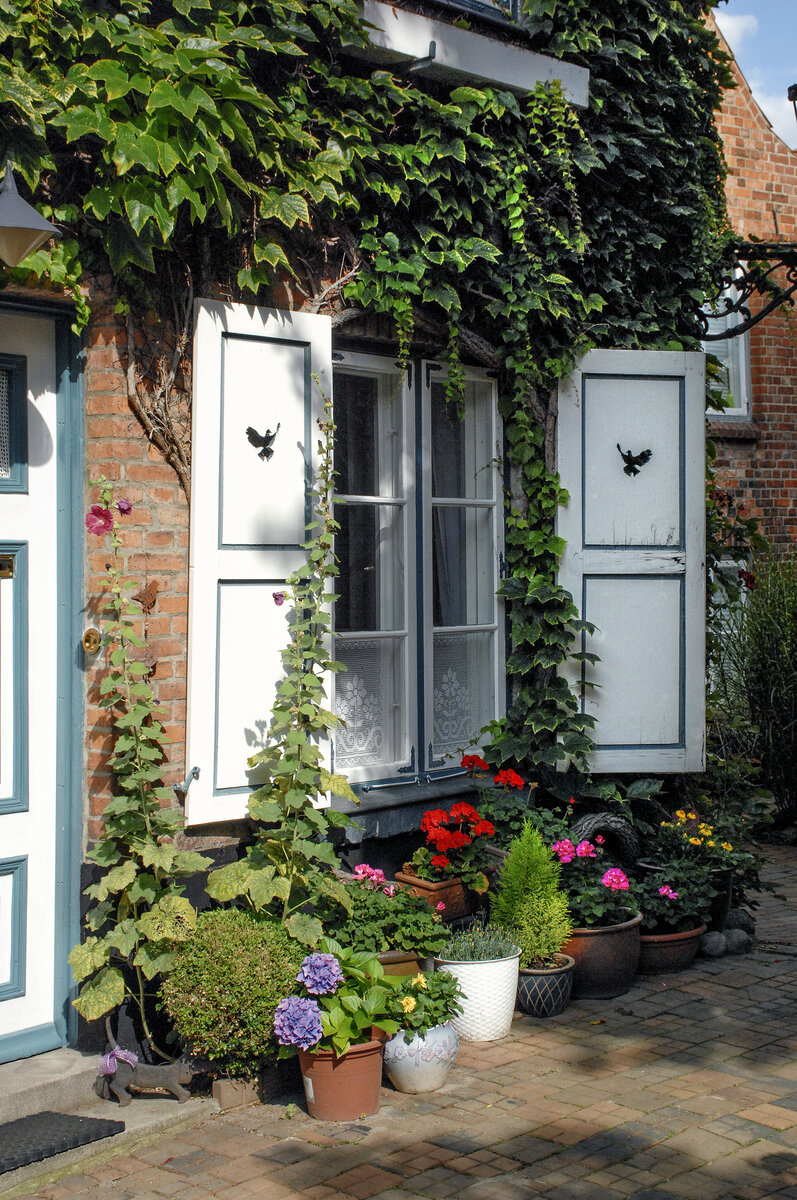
x: 616, y: 880
x: 668, y: 892
x: 566, y: 851
x: 372, y: 877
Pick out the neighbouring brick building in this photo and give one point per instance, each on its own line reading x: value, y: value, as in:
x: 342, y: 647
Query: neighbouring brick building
x: 757, y: 442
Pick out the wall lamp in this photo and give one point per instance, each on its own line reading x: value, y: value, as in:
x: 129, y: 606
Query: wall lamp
x: 22, y: 229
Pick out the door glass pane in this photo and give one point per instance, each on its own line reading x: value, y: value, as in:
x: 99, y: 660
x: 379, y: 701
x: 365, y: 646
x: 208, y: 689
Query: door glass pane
x: 368, y: 436
x: 5, y: 430
x: 463, y: 689
x: 370, y: 551
x: 463, y: 566
x: 370, y: 698
x: 462, y: 450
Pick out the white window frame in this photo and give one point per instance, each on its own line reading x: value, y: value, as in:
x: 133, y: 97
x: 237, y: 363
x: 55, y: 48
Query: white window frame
x: 739, y: 348
x: 418, y: 630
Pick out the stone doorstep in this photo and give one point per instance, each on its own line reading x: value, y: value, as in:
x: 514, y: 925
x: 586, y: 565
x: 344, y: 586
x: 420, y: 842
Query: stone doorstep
x: 61, y: 1081
x: 146, y: 1120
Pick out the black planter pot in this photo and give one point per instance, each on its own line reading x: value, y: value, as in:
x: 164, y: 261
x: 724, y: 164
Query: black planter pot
x: 545, y: 992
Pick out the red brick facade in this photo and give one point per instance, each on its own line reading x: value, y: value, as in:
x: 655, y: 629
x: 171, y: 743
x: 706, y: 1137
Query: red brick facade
x: 758, y: 458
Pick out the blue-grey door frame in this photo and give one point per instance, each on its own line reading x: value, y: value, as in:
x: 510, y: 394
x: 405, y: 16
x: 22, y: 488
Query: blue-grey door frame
x: 69, y: 442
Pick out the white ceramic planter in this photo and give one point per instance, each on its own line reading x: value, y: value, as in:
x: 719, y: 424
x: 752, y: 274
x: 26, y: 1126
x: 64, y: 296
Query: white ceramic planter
x: 490, y: 991
x: 421, y: 1065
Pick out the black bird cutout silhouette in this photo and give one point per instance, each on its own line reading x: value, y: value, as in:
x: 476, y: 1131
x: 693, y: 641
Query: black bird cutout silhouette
x: 263, y: 440
x: 634, y: 461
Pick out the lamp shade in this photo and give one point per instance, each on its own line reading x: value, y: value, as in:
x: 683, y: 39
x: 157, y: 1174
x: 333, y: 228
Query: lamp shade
x: 22, y: 229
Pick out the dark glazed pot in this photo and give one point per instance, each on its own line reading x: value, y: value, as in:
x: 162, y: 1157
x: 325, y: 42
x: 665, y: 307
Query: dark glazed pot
x: 606, y: 959
x: 545, y: 992
x: 663, y: 952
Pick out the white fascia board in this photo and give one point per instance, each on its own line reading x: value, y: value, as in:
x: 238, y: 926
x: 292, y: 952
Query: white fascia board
x: 398, y: 36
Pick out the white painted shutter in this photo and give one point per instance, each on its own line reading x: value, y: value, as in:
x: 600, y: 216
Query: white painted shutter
x: 635, y: 556
x: 258, y: 368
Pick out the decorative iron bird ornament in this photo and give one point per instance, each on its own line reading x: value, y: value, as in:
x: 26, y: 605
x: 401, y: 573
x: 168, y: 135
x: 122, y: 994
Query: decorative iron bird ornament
x: 264, y: 441
x: 634, y: 461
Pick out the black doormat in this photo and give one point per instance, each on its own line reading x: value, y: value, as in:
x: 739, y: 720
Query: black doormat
x: 31, y: 1139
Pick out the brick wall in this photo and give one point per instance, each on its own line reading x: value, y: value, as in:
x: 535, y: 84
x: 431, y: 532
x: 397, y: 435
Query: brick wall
x: 154, y: 544
x: 758, y: 458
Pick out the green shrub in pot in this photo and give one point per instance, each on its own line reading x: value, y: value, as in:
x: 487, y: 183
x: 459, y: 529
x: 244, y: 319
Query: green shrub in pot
x: 225, y: 986
x: 528, y: 901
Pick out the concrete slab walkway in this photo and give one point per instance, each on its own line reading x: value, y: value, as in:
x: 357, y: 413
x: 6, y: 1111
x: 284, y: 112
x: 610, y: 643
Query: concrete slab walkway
x: 683, y: 1089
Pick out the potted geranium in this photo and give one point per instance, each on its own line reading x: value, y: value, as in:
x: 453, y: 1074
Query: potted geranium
x: 453, y: 860
x: 388, y: 921
x: 484, y: 959
x: 605, y: 940
x: 334, y: 1023
x: 419, y: 1057
x: 674, y: 903
x: 528, y: 901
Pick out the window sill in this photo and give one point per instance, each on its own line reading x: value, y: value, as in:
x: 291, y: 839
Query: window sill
x: 734, y: 429
x: 399, y: 809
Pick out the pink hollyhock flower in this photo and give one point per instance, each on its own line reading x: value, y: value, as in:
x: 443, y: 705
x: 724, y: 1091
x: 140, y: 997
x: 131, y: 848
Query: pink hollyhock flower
x: 600, y: 839
x: 99, y: 520
x: 440, y: 906
x: 565, y: 850
x: 615, y: 879
x: 279, y: 598
x: 585, y: 850
x: 668, y: 892
x: 124, y: 507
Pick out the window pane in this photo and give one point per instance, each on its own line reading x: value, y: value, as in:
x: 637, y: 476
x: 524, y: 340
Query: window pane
x: 463, y: 585
x: 370, y: 551
x: 370, y: 698
x: 368, y: 436
x: 462, y: 450
x: 464, y: 692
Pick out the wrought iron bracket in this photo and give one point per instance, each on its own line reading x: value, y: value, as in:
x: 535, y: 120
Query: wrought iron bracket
x: 751, y: 269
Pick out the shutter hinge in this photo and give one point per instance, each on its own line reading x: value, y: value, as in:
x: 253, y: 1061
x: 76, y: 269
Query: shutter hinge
x: 181, y: 789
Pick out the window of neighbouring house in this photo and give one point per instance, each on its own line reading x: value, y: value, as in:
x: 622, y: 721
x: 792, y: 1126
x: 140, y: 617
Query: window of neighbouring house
x: 417, y: 622
x: 734, y: 357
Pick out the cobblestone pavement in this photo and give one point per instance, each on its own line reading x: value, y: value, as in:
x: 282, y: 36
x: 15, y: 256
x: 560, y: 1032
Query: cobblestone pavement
x: 686, y: 1087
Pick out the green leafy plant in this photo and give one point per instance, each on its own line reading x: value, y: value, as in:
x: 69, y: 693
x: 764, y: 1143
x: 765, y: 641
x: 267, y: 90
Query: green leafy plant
x: 138, y: 914
x: 527, y: 899
x: 674, y: 899
x: 542, y: 925
x: 225, y: 985
x: 345, y: 994
x: 424, y: 1001
x: 480, y: 943
x: 385, y: 917
x: 598, y: 893
x: 290, y: 866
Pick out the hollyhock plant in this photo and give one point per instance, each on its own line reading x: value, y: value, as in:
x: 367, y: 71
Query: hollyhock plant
x: 99, y: 520
x: 455, y: 846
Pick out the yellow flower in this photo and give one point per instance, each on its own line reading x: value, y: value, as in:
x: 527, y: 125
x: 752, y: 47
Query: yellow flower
x: 408, y: 1004
x: 692, y: 816
x: 706, y: 830
x: 711, y: 844
x: 695, y: 841
x: 419, y: 980
x: 666, y: 824
x: 680, y: 814
x: 726, y: 846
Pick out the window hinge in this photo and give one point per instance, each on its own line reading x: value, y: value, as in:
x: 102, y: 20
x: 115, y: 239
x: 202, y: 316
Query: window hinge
x: 410, y: 770
x: 429, y: 368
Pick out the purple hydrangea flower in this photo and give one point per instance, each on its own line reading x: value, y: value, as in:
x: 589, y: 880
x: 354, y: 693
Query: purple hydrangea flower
x: 320, y: 974
x: 297, y: 1022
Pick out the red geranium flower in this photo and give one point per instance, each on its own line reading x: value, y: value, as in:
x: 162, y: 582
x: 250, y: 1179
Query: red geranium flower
x: 472, y: 762
x: 433, y: 818
x: 440, y: 838
x: 464, y: 812
x: 457, y: 840
x: 509, y: 778
x: 440, y: 861
x: 483, y: 828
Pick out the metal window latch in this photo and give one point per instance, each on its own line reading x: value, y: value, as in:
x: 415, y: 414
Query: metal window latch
x: 6, y: 566
x: 181, y: 789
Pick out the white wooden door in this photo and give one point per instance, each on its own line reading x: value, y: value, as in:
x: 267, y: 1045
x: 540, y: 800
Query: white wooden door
x: 28, y: 687
x: 257, y: 371
x: 635, y: 555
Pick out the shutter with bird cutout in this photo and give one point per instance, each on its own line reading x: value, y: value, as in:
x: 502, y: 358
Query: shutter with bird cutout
x: 631, y: 454
x: 259, y: 380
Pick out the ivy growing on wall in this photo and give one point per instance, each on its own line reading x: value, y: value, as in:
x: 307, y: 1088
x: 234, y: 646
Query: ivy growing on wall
x: 239, y: 148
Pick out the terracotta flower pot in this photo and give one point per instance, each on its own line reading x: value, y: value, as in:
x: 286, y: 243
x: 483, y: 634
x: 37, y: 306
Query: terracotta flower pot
x: 343, y: 1088
x: 662, y: 952
x: 452, y: 892
x: 404, y: 962
x: 606, y: 959
x: 545, y: 991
